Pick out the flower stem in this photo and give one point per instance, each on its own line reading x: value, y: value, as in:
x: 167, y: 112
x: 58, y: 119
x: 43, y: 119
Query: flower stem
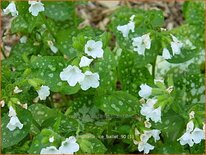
x: 153, y: 68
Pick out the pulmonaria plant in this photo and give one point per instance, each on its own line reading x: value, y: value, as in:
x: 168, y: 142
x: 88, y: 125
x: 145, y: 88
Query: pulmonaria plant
x: 74, y: 85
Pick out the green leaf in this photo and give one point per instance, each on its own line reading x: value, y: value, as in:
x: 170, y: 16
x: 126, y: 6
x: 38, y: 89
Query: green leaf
x: 48, y: 69
x: 89, y: 144
x: 10, y: 138
x: 41, y: 113
x: 59, y: 11
x: 42, y: 141
x: 106, y: 67
x: 118, y: 103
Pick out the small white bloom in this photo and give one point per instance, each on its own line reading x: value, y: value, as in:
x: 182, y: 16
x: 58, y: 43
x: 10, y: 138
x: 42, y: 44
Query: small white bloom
x: 190, y: 126
x: 150, y: 112
x: 53, y: 48
x: 192, y: 115
x: 23, y: 39
x: 125, y: 29
x: 72, y: 74
x: 145, y: 91
x: 90, y: 80
x: 25, y: 106
x: 166, y: 54
x: 69, y: 146
x: 17, y: 90
x: 147, y: 124
x: 186, y: 138
x: 11, y: 8
x: 51, y: 139
x: 142, y: 43
x: 146, y: 147
x: 94, y: 49
x: 155, y: 134
x: 176, y: 45
x: 14, y: 123
x: 12, y: 112
x: 85, y: 61
x: 197, y: 135
x: 35, y: 7
x: 2, y: 103
x: 43, y: 92
x: 50, y: 150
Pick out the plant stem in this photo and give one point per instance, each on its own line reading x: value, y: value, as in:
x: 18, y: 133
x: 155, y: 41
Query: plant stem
x: 153, y: 68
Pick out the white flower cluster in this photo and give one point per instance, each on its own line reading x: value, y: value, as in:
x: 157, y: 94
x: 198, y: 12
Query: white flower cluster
x: 34, y: 9
x: 143, y: 144
x: 193, y: 135
x: 140, y: 43
x: 14, y: 121
x: 176, y: 46
x: 74, y: 75
x: 69, y: 146
x: 128, y: 27
x: 147, y: 109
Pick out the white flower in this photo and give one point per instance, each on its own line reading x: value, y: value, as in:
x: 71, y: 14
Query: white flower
x: 50, y: 150
x: 146, y: 147
x: 128, y: 27
x: 192, y: 115
x: 72, y: 74
x: 69, y: 146
x: 94, y: 49
x: 23, y: 39
x: 145, y: 91
x: 43, y: 92
x: 166, y: 54
x: 197, y: 135
x: 11, y: 8
x: 150, y: 112
x: 25, y: 106
x: 35, y: 7
x: 51, y: 139
x: 155, y: 134
x: 190, y: 126
x: 186, y: 138
x: 192, y: 136
x: 176, y: 45
x: 85, y: 61
x: 14, y: 123
x: 12, y: 112
x: 90, y: 80
x: 53, y: 48
x: 141, y: 43
x: 2, y: 103
x: 17, y: 90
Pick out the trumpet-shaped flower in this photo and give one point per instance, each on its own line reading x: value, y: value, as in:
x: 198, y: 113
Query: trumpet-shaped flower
x: 85, y: 61
x: 14, y: 123
x: 142, y: 43
x: 94, y: 49
x: 12, y: 112
x: 50, y: 150
x: 35, y: 7
x: 192, y: 136
x: 125, y: 29
x: 72, y: 74
x: 176, y: 45
x: 69, y: 146
x: 144, y: 146
x: 145, y: 91
x: 90, y: 80
x: 17, y: 90
x: 150, y: 112
x: 43, y: 92
x: 53, y: 48
x: 166, y: 54
x: 11, y: 8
